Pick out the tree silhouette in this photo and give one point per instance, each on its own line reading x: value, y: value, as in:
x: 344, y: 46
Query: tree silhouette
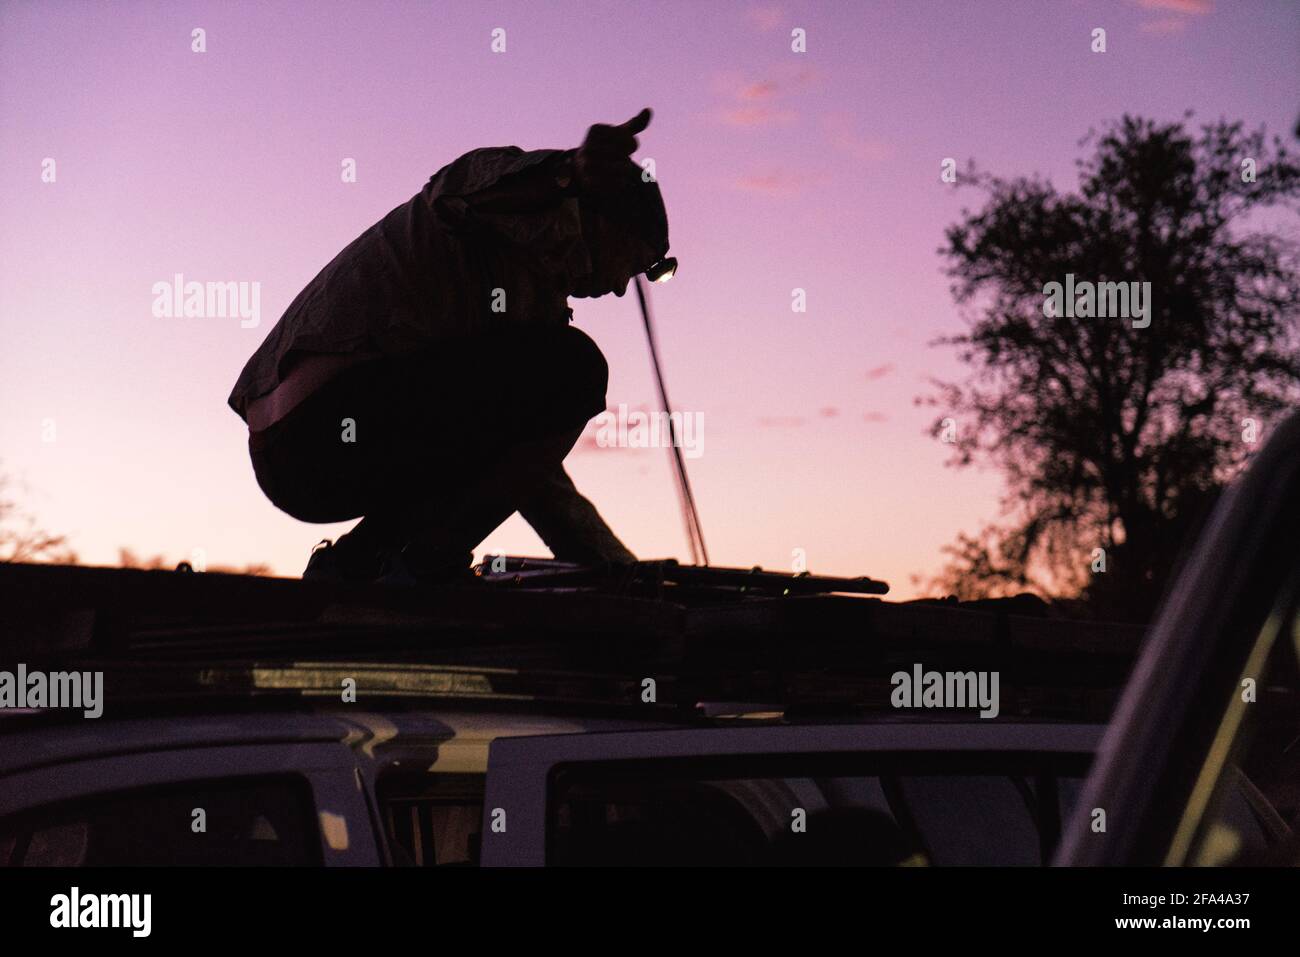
x: 1113, y: 437
x: 20, y: 538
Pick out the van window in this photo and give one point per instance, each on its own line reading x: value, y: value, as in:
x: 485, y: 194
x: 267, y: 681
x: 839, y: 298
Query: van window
x: 694, y: 813
x: 432, y: 820
x: 1254, y: 808
x: 240, y: 821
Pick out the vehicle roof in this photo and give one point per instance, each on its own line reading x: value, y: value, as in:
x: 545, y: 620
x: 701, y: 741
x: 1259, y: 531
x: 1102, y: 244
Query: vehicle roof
x: 565, y: 640
x: 462, y: 737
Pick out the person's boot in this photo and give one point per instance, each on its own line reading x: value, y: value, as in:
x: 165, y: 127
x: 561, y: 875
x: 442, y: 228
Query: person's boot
x: 422, y: 565
x: 345, y: 560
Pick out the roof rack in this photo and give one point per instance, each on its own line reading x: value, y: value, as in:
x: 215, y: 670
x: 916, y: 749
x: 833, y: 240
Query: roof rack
x: 542, y: 631
x: 663, y: 575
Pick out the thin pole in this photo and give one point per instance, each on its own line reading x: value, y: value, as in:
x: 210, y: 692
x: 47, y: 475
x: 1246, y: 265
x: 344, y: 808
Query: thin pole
x: 690, y: 515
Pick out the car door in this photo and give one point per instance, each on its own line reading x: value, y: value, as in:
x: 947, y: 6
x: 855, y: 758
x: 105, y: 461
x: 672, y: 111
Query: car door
x: 1211, y: 715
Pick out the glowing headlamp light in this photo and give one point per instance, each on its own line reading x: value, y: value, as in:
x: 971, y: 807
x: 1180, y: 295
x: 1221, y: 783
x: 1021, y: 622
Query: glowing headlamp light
x: 662, y: 270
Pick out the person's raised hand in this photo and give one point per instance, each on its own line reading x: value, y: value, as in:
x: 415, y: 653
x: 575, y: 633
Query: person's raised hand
x: 601, y: 162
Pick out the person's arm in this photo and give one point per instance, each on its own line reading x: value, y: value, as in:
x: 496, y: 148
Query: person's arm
x: 570, y: 525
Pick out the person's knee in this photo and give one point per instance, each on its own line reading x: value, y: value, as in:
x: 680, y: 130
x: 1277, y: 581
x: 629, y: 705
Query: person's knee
x: 586, y: 372
x: 302, y: 486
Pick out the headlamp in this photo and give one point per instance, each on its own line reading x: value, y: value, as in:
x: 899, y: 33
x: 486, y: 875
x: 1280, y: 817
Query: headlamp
x: 663, y: 270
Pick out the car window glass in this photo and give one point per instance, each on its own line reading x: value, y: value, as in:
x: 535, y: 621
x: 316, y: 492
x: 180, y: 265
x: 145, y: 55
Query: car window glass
x: 262, y: 821
x: 617, y: 816
x: 432, y: 820
x: 1255, y: 808
x: 973, y: 819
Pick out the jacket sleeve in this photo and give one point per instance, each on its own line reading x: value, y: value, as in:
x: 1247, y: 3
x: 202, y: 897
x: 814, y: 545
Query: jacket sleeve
x: 570, y: 525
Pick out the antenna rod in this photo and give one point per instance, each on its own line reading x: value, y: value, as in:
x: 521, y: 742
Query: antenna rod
x: 690, y: 515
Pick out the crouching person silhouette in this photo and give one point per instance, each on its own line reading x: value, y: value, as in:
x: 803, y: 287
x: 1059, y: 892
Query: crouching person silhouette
x: 428, y: 380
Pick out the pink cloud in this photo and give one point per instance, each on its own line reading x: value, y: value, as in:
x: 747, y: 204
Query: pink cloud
x: 1189, y: 7
x: 1165, y: 27
x: 756, y: 116
x: 765, y: 18
x: 875, y: 417
x: 777, y: 183
x: 840, y: 132
x: 755, y: 102
x: 879, y: 372
x: 828, y: 412
x: 758, y: 91
x: 865, y: 149
x: 780, y: 421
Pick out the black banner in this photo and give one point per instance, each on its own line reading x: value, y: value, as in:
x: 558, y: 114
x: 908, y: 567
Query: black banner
x: 214, y: 906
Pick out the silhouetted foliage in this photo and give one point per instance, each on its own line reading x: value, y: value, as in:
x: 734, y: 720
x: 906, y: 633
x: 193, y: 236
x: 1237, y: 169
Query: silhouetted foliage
x: 1110, y: 436
x: 20, y: 538
x: 129, y: 559
x: 22, y: 541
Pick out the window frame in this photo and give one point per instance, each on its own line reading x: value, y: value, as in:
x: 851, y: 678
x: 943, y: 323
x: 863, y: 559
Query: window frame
x: 1169, y: 715
x: 393, y: 785
x: 521, y: 770
x: 342, y: 823
x: 891, y: 768
x: 41, y: 817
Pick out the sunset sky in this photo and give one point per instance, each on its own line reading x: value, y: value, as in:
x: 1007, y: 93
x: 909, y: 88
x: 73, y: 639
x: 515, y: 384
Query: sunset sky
x: 816, y: 170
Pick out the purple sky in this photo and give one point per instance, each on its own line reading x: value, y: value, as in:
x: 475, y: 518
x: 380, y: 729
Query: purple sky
x: 780, y: 170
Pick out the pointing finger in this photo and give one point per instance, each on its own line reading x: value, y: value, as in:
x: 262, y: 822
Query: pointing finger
x: 639, y: 122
